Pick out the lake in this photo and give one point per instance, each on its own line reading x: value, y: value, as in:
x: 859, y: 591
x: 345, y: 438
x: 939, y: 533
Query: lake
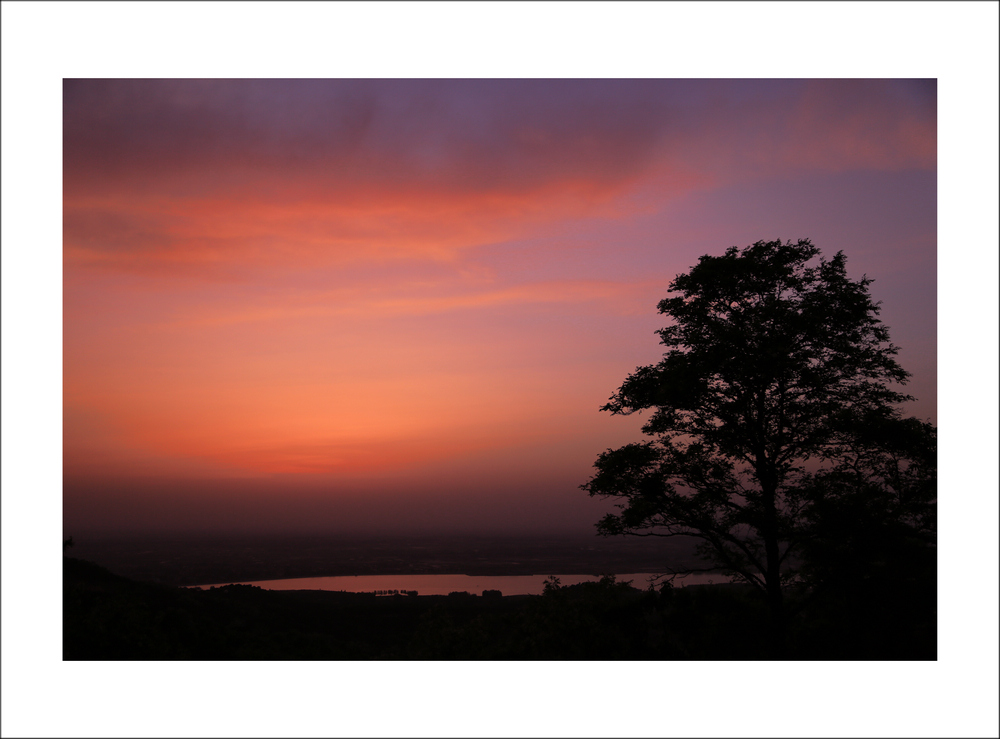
x: 444, y: 584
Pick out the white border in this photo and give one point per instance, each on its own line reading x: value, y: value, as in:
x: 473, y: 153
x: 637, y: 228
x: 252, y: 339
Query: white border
x: 43, y: 42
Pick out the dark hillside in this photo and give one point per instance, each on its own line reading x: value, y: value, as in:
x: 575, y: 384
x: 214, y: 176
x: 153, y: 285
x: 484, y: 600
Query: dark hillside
x: 107, y: 617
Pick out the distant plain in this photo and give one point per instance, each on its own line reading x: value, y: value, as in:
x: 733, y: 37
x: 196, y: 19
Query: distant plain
x: 199, y: 560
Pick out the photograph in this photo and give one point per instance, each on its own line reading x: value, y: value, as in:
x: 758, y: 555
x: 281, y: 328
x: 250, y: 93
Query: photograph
x: 499, y: 369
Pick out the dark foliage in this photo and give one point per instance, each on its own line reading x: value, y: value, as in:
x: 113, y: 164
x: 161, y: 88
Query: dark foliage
x: 107, y: 617
x: 776, y: 440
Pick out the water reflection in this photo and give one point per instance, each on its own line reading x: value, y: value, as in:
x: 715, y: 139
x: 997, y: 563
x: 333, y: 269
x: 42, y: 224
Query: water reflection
x: 444, y: 584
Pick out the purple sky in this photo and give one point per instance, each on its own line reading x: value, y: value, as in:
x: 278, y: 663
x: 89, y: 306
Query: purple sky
x: 397, y: 305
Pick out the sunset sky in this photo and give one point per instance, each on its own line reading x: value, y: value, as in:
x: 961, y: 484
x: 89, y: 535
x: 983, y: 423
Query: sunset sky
x: 364, y: 305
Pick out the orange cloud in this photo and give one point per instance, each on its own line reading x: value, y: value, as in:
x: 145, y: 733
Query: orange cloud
x: 236, y: 231
x: 206, y: 178
x: 369, y: 302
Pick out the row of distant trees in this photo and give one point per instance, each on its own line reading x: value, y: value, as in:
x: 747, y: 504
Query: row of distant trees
x: 486, y: 593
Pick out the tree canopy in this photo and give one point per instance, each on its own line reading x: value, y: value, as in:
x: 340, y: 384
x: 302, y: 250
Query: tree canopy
x: 774, y: 411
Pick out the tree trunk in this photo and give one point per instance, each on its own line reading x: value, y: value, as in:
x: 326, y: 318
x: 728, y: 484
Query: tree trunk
x: 777, y: 646
x: 776, y: 642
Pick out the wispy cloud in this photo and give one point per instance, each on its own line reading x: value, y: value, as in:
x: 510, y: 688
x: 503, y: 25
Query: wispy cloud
x: 309, y: 278
x: 185, y: 177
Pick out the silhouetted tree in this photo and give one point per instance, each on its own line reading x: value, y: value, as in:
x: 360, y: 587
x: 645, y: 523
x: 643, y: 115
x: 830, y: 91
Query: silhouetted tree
x: 551, y: 585
x: 773, y: 417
